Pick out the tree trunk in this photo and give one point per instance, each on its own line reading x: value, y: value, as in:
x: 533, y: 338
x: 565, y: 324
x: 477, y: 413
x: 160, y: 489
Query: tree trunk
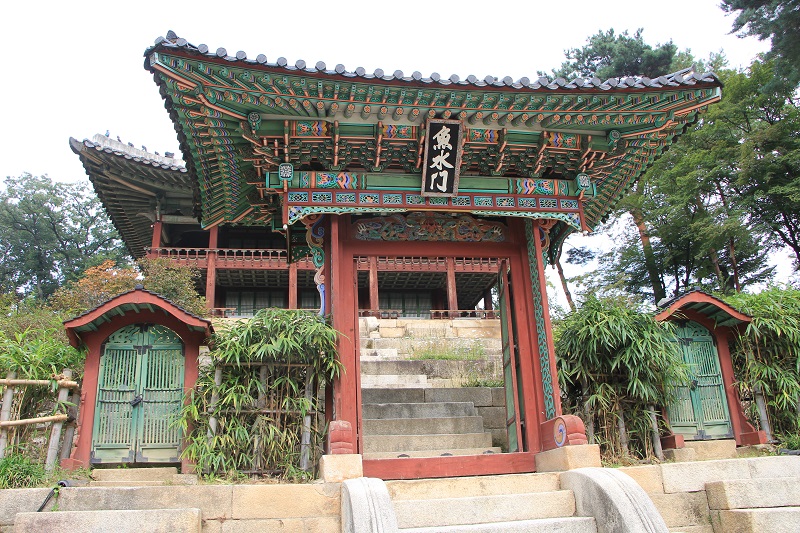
x: 735, y: 266
x: 649, y: 258
x: 564, y: 286
x: 623, y: 433
x: 588, y: 415
x: 763, y: 416
x: 656, y: 434
x: 761, y: 405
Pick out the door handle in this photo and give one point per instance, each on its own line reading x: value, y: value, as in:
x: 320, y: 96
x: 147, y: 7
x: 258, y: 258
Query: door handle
x: 136, y: 400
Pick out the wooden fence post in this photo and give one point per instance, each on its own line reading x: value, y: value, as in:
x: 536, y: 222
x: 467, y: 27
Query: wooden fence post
x: 5, y: 414
x: 55, y: 431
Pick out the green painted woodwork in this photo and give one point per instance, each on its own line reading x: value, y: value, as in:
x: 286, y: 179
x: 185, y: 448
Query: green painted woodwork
x: 339, y: 123
x: 146, y: 362
x: 514, y: 397
x: 701, y: 410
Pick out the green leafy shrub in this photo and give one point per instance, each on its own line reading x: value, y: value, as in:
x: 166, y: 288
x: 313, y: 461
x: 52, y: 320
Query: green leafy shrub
x: 766, y: 354
x: 266, y: 396
x: 615, y: 363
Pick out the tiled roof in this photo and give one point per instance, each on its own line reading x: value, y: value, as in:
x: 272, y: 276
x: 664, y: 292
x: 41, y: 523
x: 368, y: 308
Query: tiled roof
x: 140, y: 289
x: 128, y: 151
x: 683, y: 78
x: 128, y: 180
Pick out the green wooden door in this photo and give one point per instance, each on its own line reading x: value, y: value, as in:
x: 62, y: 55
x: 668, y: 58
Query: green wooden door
x: 510, y: 359
x: 701, y: 410
x: 139, y: 395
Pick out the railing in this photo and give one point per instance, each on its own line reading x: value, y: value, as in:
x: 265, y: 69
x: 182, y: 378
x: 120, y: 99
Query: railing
x: 464, y: 313
x: 412, y: 263
x: 437, y: 314
x: 194, y: 257
x: 231, y: 258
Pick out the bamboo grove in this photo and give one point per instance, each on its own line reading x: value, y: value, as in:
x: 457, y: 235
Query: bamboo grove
x: 257, y: 406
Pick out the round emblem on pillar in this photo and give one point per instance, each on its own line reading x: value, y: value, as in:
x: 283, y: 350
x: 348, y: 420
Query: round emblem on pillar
x: 560, y: 432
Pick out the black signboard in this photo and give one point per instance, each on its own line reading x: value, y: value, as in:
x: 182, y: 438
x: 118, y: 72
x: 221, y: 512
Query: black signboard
x: 442, y: 163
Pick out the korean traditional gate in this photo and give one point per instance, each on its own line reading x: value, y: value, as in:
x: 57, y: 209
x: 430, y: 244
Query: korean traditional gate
x: 140, y: 389
x: 701, y: 409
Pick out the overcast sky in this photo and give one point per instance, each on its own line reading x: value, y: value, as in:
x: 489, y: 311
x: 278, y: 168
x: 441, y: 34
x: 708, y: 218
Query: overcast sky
x: 74, y: 69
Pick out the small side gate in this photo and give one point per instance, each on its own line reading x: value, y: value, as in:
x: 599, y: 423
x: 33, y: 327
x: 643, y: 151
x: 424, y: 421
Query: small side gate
x: 139, y: 396
x: 701, y: 409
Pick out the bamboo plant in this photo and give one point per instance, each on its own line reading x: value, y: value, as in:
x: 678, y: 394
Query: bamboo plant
x: 257, y: 407
x: 616, y: 365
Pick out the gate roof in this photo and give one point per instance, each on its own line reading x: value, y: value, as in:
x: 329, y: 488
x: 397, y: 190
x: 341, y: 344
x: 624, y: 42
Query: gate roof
x: 705, y: 304
x: 134, y: 301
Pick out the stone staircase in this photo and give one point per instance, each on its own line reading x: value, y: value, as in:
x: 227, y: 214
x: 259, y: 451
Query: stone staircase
x: 745, y: 495
x: 412, y: 402
x: 404, y: 423
x: 509, y: 503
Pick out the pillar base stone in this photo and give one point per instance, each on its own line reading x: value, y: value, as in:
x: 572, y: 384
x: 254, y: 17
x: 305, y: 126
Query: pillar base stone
x: 568, y: 458
x: 337, y: 468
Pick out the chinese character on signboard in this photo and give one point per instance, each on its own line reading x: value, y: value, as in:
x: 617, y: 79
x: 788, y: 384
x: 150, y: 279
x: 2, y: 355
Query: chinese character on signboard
x: 442, y: 163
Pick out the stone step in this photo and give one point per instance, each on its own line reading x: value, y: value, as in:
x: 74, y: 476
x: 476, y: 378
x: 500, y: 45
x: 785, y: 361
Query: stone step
x: 478, y: 396
x: 393, y: 381
x: 176, y: 479
x: 433, y: 453
x: 705, y: 450
x: 423, y: 426
x: 693, y: 529
x: 410, y: 346
x: 435, y: 368
x: 754, y: 493
x: 682, y: 509
x: 402, y: 443
x: 773, y: 520
x: 572, y: 524
x: 153, y: 520
x: 380, y: 395
x: 164, y: 474
x: 483, y: 509
x: 418, y: 410
x: 127, y: 483
x: 458, y: 487
x: 378, y: 353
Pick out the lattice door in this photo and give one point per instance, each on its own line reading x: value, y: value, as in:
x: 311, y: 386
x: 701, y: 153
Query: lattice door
x: 140, y: 390
x: 510, y: 360
x: 701, y: 410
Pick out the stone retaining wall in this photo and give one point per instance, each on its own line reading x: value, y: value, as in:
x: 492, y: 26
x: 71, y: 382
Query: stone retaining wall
x: 225, y: 508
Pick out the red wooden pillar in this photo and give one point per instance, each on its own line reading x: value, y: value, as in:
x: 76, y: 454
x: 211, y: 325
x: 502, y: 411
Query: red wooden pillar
x: 341, y: 286
x: 487, y: 299
x: 374, y: 304
x: 548, y: 328
x: 156, y: 241
x: 292, y: 285
x: 211, y: 269
x: 452, y: 294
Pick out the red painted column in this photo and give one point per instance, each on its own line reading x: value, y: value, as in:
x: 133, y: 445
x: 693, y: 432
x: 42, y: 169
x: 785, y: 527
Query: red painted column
x: 373, y: 284
x: 156, y: 240
x: 211, y: 271
x: 292, y: 285
x: 341, y: 295
x: 487, y: 299
x: 191, y: 370
x: 529, y: 377
x: 452, y: 294
x: 81, y: 454
x: 548, y: 328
